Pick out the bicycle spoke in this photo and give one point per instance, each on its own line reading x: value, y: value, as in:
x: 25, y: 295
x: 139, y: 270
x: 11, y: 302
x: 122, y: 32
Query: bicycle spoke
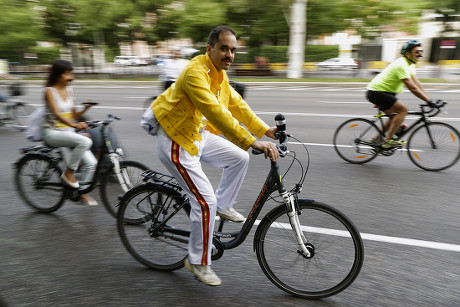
x: 334, y: 245
x: 353, y: 140
x: 434, y: 147
x: 151, y: 228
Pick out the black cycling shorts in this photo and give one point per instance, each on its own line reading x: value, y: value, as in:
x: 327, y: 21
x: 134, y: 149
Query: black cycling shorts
x: 384, y: 100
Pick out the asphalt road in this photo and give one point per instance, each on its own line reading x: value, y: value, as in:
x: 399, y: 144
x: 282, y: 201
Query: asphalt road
x: 408, y: 217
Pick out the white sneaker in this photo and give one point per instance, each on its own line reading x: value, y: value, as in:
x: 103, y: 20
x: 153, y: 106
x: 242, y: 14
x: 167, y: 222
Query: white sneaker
x: 203, y: 273
x: 231, y: 215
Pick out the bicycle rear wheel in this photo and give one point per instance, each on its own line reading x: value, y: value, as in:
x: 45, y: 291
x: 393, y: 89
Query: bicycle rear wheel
x: 111, y: 189
x: 142, y: 228
x: 353, y: 140
x: 434, y: 147
x: 38, y: 181
x: 335, y: 244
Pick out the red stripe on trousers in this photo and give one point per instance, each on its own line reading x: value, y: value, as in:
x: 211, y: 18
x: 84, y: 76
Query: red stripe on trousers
x: 192, y: 187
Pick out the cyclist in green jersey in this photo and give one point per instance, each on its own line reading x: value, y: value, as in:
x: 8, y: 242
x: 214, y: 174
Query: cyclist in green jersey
x: 382, y: 90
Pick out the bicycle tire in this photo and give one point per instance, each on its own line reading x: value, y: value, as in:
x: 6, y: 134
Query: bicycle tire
x: 351, y: 140
x: 423, y: 154
x: 110, y: 188
x: 39, y: 184
x: 21, y: 113
x: 336, y: 245
x: 146, y: 206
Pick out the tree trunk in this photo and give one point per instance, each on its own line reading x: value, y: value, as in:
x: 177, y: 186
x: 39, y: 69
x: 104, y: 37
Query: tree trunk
x: 297, y: 39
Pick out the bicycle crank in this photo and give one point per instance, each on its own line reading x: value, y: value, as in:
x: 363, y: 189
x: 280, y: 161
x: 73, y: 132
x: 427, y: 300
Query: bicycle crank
x: 217, y: 249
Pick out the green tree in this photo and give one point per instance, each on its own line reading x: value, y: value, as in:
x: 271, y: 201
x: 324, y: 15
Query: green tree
x: 199, y: 17
x: 20, y: 29
x: 449, y: 9
x: 368, y: 17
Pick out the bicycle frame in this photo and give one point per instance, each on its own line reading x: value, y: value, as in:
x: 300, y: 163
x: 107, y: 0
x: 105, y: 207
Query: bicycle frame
x: 107, y: 149
x: 272, y: 183
x: 422, y: 119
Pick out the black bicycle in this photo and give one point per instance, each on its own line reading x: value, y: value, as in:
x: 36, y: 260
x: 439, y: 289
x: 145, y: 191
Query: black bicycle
x: 306, y: 248
x: 39, y: 169
x: 432, y: 146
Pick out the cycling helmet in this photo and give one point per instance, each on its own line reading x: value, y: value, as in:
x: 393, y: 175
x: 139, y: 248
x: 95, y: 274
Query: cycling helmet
x: 408, y: 46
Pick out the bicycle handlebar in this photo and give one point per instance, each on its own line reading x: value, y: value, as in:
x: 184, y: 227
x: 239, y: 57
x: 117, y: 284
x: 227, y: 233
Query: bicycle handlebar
x: 95, y: 123
x: 282, y: 136
x: 435, y: 107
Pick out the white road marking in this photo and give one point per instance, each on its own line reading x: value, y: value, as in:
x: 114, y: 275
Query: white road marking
x: 376, y: 238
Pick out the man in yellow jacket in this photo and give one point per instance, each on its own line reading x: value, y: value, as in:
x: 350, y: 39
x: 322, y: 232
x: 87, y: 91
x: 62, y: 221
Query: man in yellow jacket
x: 198, y: 107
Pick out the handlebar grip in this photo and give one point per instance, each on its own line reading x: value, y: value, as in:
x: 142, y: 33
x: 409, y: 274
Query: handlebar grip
x: 437, y: 104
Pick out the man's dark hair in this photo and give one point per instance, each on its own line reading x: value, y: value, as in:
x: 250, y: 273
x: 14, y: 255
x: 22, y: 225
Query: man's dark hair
x: 213, y: 37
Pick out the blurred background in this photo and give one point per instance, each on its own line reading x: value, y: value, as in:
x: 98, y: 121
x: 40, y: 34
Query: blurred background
x: 114, y: 38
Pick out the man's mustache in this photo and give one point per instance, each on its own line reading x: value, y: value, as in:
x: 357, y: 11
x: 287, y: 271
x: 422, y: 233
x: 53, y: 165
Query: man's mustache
x: 227, y: 59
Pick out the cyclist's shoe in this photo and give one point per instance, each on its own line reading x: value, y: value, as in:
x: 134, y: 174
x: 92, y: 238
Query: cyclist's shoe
x: 374, y: 142
x: 231, y: 215
x: 203, y: 273
x: 392, y: 143
x: 68, y: 181
x: 88, y: 200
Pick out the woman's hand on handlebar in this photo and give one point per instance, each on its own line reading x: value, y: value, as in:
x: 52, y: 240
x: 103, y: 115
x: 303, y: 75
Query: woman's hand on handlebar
x: 268, y: 148
x: 81, y: 126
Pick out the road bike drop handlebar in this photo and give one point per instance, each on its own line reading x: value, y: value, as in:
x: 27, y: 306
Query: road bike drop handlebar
x: 435, y: 107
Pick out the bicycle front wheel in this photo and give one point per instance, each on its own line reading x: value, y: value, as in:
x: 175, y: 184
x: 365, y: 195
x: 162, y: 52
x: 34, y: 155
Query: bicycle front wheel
x: 154, y: 226
x: 21, y: 112
x: 434, y: 147
x: 112, y: 187
x: 336, y: 248
x: 38, y: 181
x: 353, y: 140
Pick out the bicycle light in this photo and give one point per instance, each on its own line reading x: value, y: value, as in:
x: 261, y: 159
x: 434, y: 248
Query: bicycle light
x: 280, y: 122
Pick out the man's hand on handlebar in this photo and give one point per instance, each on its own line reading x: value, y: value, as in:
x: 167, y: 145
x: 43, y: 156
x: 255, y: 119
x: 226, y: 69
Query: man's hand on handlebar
x: 271, y: 133
x: 268, y: 148
x: 438, y: 103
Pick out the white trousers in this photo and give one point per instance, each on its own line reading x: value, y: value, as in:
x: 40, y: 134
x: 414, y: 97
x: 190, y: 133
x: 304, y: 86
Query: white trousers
x: 81, y: 153
x: 188, y: 172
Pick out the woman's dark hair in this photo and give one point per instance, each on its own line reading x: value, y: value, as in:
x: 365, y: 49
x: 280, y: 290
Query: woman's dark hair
x: 58, y: 68
x: 213, y: 37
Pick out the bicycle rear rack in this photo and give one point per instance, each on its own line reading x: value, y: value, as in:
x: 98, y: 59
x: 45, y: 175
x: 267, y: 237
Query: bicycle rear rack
x: 160, y: 178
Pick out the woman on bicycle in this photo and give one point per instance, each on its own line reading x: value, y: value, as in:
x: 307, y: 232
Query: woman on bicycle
x: 61, y: 123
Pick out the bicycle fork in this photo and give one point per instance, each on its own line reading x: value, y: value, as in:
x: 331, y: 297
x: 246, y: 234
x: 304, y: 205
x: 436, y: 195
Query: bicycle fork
x: 295, y: 224
x: 122, y: 177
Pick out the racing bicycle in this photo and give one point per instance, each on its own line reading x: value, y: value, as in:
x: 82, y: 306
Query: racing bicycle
x: 432, y: 146
x: 39, y: 169
x: 306, y: 248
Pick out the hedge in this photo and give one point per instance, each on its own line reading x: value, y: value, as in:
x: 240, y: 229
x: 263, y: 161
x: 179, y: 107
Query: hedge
x: 279, y: 54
